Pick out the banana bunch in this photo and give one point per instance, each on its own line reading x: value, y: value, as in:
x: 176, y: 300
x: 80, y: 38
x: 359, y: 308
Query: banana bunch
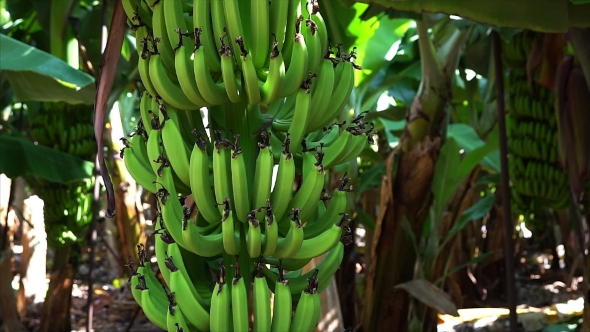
x: 537, y: 179
x: 257, y: 168
x: 67, y: 207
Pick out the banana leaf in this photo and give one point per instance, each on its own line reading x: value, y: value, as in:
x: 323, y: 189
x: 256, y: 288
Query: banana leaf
x: 37, y: 75
x: 21, y: 157
x: 538, y: 15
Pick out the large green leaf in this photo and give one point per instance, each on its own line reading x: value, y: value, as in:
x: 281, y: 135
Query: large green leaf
x: 539, y: 15
x: 22, y: 157
x: 468, y: 140
x: 37, y: 75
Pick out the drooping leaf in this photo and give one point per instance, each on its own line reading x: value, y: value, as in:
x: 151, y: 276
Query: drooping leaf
x: 468, y: 140
x: 427, y: 293
x: 371, y: 178
x: 474, y: 212
x: 22, y: 157
x: 18, y: 56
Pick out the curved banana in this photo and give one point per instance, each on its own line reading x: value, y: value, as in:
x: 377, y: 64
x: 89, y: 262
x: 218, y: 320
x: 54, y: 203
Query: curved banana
x: 308, y: 195
x: 249, y: 73
x: 288, y: 246
x: 163, y: 239
x: 271, y: 232
x: 309, y: 30
x: 214, y: 93
x: 283, y: 189
x: 228, y: 73
x: 262, y: 175
x: 231, y: 233
x: 137, y: 163
x: 298, y: 125
x: 279, y: 11
x: 253, y: 235
x: 220, y: 305
x: 169, y: 91
x: 221, y: 169
x: 327, y: 268
x: 239, y: 302
x: 200, y: 241
x: 239, y: 180
x: 282, y: 306
x: 322, y: 29
x: 186, y: 78
x: 202, y: 20
x: 321, y: 244
x: 144, y: 107
x: 330, y: 217
x: 172, y: 211
x: 218, y: 22
x: 175, y: 319
x: 142, y: 41
x: 342, y: 89
x: 298, y: 62
x: 261, y: 302
x: 176, y: 150
x: 154, y: 307
x: 260, y: 32
x: 306, y: 309
x: 271, y: 89
x: 175, y: 263
x: 319, y: 97
x: 161, y: 42
x: 199, y: 182
x: 233, y: 22
x: 293, y: 27
x: 199, y: 316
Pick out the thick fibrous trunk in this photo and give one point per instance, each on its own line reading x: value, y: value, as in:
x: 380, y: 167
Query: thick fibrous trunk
x: 55, y: 316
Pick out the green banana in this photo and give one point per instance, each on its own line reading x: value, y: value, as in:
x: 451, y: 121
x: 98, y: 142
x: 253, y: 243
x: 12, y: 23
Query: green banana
x: 220, y: 304
x: 306, y: 307
x: 283, y: 189
x: 281, y: 318
x: 261, y: 301
x: 241, y: 197
x: 239, y: 302
x: 199, y: 181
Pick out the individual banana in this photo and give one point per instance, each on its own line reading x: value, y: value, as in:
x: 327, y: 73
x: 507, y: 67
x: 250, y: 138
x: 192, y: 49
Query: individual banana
x: 231, y: 231
x: 261, y: 301
x: 175, y: 318
x: 137, y: 163
x: 298, y: 125
x: 249, y: 73
x: 272, y: 87
x: 279, y: 11
x: 199, y: 181
x: 283, y: 189
x: 239, y: 180
x: 253, y: 235
x: 309, y: 30
x: 175, y: 263
x: 327, y: 267
x: 199, y: 316
x: 308, y: 195
x: 221, y: 304
x: 262, y: 175
x: 202, y: 20
x: 221, y: 169
x: 233, y: 22
x: 271, y: 232
x: 306, y: 307
x: 228, y: 73
x: 204, y: 241
x: 176, y: 150
x: 297, y: 70
x: 166, y: 89
x: 322, y: 89
x: 282, y: 306
x: 172, y: 211
x: 239, y: 302
x: 185, y: 69
x: 260, y: 32
x: 288, y: 246
x: 331, y: 216
x: 213, y: 93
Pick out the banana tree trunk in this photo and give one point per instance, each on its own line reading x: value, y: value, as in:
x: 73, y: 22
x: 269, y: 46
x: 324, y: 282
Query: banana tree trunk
x: 55, y: 316
x: 406, y: 193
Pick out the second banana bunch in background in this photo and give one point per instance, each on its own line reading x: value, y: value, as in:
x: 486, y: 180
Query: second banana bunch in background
x: 234, y: 92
